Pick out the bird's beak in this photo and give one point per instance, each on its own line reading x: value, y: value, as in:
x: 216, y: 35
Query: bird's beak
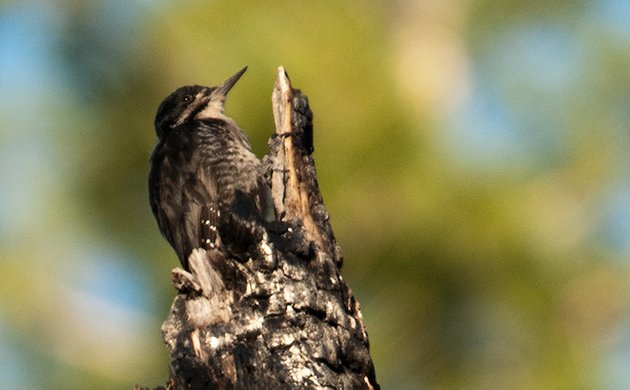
x: 216, y: 99
x: 223, y: 89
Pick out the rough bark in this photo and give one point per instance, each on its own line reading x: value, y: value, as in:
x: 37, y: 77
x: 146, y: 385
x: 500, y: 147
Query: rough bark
x: 285, y: 319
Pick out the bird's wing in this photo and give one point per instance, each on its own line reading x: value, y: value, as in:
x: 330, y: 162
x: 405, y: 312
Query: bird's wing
x: 210, y: 214
x: 181, y: 199
x: 166, y: 200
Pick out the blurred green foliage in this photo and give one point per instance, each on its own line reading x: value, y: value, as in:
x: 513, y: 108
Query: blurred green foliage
x: 471, y: 274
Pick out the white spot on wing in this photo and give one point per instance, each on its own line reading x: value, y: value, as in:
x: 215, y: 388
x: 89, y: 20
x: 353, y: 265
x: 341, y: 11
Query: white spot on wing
x: 214, y: 342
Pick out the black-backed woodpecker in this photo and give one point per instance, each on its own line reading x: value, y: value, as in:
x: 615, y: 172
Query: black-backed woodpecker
x: 206, y: 186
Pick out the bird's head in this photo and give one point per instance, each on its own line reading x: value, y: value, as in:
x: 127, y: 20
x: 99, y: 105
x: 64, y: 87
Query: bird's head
x: 193, y: 102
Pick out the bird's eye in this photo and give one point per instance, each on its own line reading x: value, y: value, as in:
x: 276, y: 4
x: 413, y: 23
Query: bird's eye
x: 187, y: 99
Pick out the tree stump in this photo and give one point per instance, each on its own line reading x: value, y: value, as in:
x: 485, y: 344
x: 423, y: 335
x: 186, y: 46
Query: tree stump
x: 285, y: 319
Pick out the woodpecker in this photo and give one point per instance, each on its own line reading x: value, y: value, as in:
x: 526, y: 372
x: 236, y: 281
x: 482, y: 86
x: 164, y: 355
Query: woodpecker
x: 206, y: 186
